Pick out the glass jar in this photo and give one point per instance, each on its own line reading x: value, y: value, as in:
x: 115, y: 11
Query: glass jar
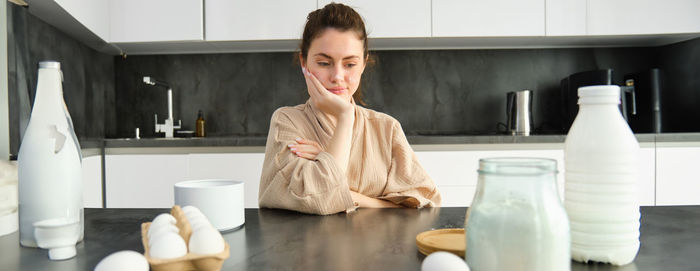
x: 517, y: 221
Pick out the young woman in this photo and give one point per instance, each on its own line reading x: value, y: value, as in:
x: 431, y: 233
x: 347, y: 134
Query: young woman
x: 330, y: 154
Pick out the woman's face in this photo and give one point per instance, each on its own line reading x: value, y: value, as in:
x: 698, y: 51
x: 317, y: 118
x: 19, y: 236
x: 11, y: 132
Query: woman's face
x: 336, y: 59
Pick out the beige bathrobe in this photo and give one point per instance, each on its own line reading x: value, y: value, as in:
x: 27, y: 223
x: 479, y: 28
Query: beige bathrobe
x: 382, y: 164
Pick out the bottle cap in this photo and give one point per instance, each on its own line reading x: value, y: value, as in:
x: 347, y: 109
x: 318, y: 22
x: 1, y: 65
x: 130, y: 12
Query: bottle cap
x: 604, y: 94
x: 50, y: 64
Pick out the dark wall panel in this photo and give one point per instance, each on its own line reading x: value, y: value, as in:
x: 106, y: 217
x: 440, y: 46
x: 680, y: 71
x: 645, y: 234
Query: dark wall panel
x: 429, y: 92
x: 88, y: 75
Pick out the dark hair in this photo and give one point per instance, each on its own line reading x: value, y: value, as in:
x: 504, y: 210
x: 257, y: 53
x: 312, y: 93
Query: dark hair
x: 340, y: 17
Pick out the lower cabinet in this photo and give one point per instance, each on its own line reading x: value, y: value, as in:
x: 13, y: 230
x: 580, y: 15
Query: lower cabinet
x: 677, y: 178
x: 143, y: 180
x: 455, y: 172
x: 92, y: 181
x: 147, y: 180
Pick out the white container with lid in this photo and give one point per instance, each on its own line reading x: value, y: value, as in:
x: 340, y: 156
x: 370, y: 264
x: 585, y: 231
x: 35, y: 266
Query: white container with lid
x: 219, y: 200
x: 600, y: 198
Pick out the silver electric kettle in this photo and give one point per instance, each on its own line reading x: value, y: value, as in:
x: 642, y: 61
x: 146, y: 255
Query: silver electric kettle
x: 519, y: 112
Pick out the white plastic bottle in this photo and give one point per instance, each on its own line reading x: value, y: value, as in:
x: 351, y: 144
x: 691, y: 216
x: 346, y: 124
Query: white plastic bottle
x: 600, y: 156
x: 49, y: 160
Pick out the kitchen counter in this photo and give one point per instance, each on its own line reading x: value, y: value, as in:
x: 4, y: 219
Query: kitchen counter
x: 414, y: 140
x: 369, y: 239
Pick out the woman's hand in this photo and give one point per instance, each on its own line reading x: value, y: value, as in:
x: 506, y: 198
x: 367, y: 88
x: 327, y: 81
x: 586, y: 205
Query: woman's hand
x: 367, y: 202
x: 305, y: 148
x: 326, y: 101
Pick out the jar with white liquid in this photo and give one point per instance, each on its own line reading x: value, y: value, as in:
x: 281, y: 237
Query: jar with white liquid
x: 517, y: 221
x: 600, y: 197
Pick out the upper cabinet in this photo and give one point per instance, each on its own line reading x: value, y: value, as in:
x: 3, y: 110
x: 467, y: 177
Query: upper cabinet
x: 493, y: 18
x: 392, y: 18
x: 244, y: 20
x: 156, y: 20
x: 642, y: 17
x: 565, y: 17
x: 199, y: 26
x: 93, y: 15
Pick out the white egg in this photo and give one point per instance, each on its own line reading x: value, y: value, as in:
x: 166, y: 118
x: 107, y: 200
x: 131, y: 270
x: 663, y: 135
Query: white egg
x: 167, y: 246
x: 206, y: 240
x: 158, y: 227
x: 163, y: 219
x: 191, y: 212
x: 161, y: 230
x: 443, y: 261
x: 199, y: 222
x: 123, y: 260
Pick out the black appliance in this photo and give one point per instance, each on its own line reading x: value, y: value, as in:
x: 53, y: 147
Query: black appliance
x: 640, y: 97
x: 647, y: 86
x: 569, y: 91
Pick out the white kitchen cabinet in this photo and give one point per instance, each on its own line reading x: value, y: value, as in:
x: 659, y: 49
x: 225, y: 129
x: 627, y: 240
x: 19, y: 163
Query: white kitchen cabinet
x: 677, y: 178
x: 245, y: 167
x: 641, y: 17
x: 647, y: 176
x: 92, y: 181
x: 156, y: 20
x: 93, y: 14
x: 147, y: 180
x: 392, y: 18
x: 455, y: 172
x: 144, y: 180
x: 240, y: 20
x: 565, y: 17
x: 495, y: 18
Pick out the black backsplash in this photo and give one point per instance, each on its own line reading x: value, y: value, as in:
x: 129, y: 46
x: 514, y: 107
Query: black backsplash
x: 680, y: 98
x: 428, y: 91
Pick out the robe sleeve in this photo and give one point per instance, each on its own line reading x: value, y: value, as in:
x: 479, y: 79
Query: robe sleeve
x: 408, y: 184
x: 316, y: 186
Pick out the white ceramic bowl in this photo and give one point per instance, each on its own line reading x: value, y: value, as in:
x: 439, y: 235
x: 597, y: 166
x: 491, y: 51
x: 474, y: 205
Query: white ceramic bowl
x: 220, y: 200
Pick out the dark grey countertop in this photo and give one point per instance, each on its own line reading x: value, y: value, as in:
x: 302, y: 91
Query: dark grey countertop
x: 369, y: 239
x: 414, y: 140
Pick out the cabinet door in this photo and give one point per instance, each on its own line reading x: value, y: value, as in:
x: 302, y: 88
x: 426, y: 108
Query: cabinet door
x: 565, y: 17
x: 143, y: 181
x: 494, y: 18
x: 647, y: 177
x: 93, y: 14
x: 677, y: 178
x: 391, y: 18
x: 455, y: 172
x: 256, y: 20
x: 631, y: 17
x: 92, y: 181
x: 244, y: 167
x: 156, y: 20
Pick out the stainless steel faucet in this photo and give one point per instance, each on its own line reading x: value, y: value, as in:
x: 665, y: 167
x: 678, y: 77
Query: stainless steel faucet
x: 169, y: 126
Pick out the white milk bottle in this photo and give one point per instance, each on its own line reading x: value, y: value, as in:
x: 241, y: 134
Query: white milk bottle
x: 600, y: 198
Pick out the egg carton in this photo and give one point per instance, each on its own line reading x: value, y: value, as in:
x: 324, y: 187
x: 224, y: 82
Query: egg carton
x: 191, y: 261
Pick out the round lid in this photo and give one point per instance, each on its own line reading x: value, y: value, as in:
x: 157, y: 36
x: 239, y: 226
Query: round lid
x: 50, y: 64
x: 599, y: 94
